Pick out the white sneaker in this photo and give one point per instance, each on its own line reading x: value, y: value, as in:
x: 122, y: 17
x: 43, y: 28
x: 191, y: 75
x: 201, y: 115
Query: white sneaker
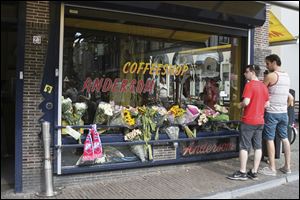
x: 267, y: 171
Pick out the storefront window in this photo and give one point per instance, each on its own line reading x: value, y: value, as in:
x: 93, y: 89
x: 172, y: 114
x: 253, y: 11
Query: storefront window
x: 133, y: 65
x: 91, y: 57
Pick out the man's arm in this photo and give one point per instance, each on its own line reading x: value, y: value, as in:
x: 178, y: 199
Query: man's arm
x: 270, y: 79
x: 244, y: 103
x: 267, y: 104
x: 290, y: 100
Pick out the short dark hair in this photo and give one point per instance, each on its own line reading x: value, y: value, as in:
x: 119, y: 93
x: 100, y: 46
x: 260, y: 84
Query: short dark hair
x: 274, y: 57
x: 253, y: 68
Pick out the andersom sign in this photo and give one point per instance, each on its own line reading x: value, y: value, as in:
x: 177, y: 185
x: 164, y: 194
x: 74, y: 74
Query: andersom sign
x: 208, y: 146
x: 133, y: 85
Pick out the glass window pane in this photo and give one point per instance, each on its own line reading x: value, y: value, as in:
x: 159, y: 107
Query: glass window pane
x: 136, y: 65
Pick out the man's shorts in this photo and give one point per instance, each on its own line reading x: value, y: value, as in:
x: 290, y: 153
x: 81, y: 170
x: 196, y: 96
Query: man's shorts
x: 250, y: 135
x: 275, y: 123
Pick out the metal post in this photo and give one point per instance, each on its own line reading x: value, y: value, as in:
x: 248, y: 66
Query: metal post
x: 47, y: 162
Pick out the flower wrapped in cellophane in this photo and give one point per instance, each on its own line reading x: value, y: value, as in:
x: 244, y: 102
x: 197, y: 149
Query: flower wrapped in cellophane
x: 222, y: 113
x: 173, y: 134
x: 207, y: 115
x: 135, y: 134
x: 160, y: 115
x: 67, y: 110
x: 191, y: 114
x: 72, y: 115
x: 210, y: 115
x: 176, y: 115
x: 180, y: 116
x: 127, y: 117
x: 146, y: 116
x: 103, y: 113
x: 137, y: 149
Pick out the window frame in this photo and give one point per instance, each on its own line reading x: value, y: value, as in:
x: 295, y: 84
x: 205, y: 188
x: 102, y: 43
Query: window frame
x: 74, y: 169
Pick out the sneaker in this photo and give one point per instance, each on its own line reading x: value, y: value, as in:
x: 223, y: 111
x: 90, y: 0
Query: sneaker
x: 267, y: 171
x: 238, y: 176
x: 285, y: 171
x: 252, y: 175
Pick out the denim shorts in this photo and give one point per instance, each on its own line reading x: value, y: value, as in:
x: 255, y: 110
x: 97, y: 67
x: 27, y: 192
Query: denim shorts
x: 250, y: 136
x: 275, y: 123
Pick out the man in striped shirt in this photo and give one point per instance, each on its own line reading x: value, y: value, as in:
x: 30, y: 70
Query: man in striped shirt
x: 276, y: 117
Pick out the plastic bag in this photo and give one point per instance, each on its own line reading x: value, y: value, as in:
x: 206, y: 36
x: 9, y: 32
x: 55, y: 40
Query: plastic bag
x: 139, y: 150
x: 172, y: 132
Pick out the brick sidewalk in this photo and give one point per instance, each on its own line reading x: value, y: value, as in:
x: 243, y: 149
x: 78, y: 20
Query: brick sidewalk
x: 183, y: 181
x: 200, y: 179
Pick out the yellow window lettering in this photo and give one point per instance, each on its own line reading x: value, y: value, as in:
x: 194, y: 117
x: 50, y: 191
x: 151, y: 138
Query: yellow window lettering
x: 125, y: 67
x: 133, y: 68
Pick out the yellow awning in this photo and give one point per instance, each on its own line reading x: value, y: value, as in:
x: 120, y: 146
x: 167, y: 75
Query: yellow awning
x: 277, y: 31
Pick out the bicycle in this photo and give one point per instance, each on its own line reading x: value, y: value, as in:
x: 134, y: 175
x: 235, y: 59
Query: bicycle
x: 292, y: 130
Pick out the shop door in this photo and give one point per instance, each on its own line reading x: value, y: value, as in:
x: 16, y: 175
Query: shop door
x: 8, y: 91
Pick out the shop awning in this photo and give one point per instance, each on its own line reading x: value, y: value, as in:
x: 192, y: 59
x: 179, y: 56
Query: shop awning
x: 278, y: 34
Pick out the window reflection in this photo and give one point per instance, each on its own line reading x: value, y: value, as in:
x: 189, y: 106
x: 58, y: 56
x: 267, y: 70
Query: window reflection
x: 94, y: 59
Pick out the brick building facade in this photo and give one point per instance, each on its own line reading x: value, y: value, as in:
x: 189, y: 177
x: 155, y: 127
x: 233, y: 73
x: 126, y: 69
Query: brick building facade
x: 261, y: 44
x: 37, y: 24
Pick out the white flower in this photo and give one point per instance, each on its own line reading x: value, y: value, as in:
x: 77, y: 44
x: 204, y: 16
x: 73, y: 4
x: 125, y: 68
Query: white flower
x: 202, y: 119
x: 131, y: 135
x: 221, y: 109
x: 66, y: 101
x: 107, y: 108
x: 80, y: 106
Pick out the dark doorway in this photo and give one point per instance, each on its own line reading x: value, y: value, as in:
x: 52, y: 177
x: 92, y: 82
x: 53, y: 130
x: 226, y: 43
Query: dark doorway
x: 9, y: 30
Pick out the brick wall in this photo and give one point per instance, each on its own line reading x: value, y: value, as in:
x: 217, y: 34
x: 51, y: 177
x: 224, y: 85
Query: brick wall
x: 37, y: 20
x: 261, y: 44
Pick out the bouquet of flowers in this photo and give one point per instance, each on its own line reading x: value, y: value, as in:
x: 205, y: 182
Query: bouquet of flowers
x: 173, y: 133
x: 127, y: 117
x: 176, y: 115
x: 67, y: 110
x: 139, y: 150
x: 72, y: 115
x: 182, y: 117
x: 192, y: 112
x: 135, y: 134
x: 148, y: 126
x: 103, y: 113
x: 160, y: 115
x: 206, y: 115
x: 79, y: 110
x: 210, y: 115
x: 222, y: 113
